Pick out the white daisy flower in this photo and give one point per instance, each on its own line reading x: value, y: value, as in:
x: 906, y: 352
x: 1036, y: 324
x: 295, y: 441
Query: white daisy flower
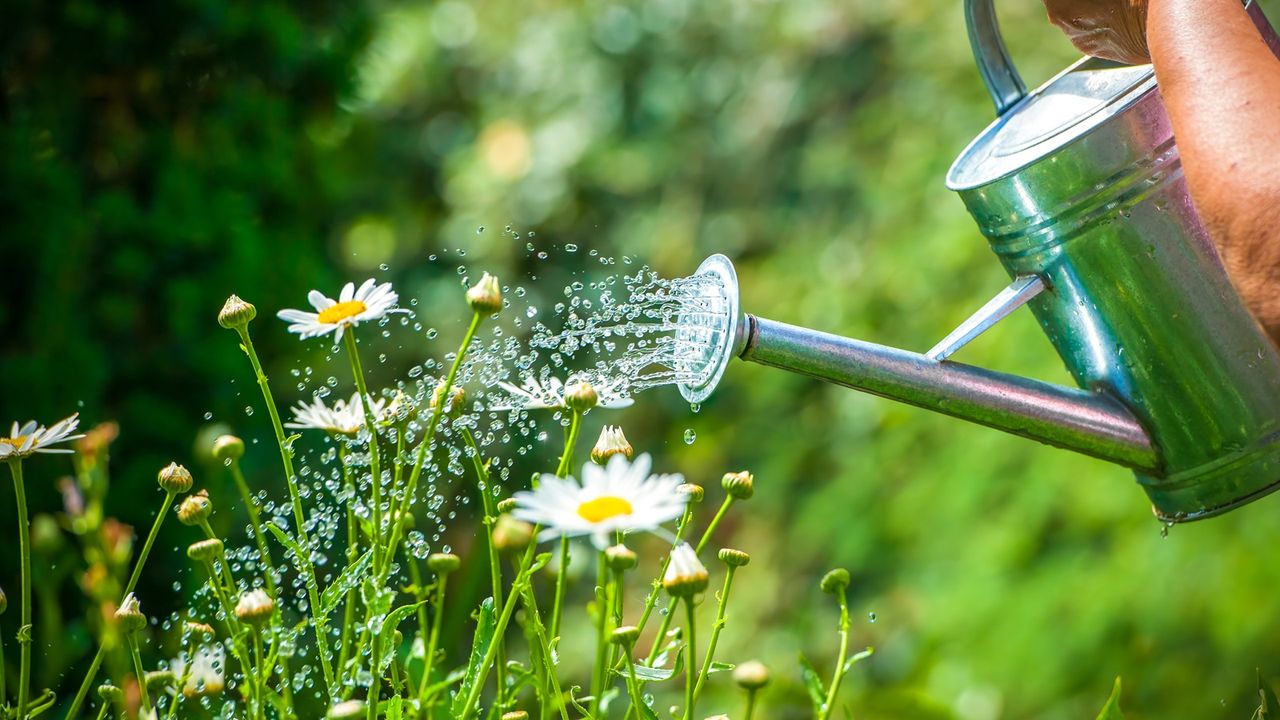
x: 206, y: 676
x: 534, y: 395
x: 346, y: 417
x: 617, y: 498
x: 23, y: 440
x: 353, y: 306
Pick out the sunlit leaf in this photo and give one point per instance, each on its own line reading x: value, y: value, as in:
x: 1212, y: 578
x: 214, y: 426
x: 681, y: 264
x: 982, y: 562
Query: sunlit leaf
x: 813, y: 683
x: 386, y: 634
x: 349, y: 579
x: 486, y: 622
x: 1111, y: 711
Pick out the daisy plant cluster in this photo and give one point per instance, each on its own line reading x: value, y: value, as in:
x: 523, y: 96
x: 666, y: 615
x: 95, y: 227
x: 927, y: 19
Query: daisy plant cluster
x: 343, y: 614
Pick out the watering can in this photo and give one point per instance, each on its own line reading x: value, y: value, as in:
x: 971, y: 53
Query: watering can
x: 1079, y: 190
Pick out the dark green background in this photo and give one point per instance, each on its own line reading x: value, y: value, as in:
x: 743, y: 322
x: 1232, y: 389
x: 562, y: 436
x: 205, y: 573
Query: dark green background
x: 156, y: 157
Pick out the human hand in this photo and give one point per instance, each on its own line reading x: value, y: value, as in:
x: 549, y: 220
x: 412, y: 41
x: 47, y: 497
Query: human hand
x: 1109, y: 29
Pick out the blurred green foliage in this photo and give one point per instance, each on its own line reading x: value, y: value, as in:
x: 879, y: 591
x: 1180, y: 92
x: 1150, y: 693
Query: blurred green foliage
x: 155, y: 157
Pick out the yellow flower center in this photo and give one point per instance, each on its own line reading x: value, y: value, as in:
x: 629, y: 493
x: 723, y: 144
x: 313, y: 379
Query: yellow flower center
x: 603, y: 508
x: 14, y: 441
x: 342, y: 311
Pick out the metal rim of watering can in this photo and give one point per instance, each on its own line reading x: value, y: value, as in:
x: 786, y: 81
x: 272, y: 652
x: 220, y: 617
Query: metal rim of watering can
x: 713, y: 364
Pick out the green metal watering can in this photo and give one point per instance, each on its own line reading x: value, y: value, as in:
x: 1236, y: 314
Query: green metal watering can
x: 1079, y: 190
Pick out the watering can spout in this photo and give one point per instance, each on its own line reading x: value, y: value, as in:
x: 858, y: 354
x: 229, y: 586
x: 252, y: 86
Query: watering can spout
x: 1089, y: 422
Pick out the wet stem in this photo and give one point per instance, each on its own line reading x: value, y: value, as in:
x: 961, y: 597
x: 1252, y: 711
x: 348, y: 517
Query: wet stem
x: 381, y: 553
x: 715, y: 632
x: 73, y: 712
x: 255, y: 520
x: 299, y: 516
x: 24, y: 547
x: 566, y: 462
x: 139, y: 673
x: 473, y: 697
x: 495, y: 567
x: 690, y: 651
x: 604, y: 606
x: 838, y: 674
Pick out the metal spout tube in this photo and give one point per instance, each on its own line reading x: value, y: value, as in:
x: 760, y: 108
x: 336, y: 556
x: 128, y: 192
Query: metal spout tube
x: 1087, y: 422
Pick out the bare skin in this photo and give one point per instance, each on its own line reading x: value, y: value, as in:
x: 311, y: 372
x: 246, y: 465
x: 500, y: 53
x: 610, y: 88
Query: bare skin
x: 1221, y: 85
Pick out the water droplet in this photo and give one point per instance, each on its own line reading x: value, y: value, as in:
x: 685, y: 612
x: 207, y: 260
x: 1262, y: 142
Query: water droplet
x: 871, y: 617
x: 690, y: 436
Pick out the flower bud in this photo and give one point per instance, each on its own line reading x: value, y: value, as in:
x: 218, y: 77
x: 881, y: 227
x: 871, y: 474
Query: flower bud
x: 751, y: 675
x: 739, y: 485
x: 174, y: 479
x: 694, y: 492
x: 129, y: 616
x: 686, y: 575
x: 198, y: 630
x: 835, y: 581
x: 194, y: 509
x: 734, y: 558
x: 611, y: 442
x: 110, y: 693
x: 443, y: 563
x: 457, y: 400
x: 346, y: 710
x: 625, y: 635
x: 255, y: 607
x: 511, y: 535
x: 4, y: 601
x: 515, y: 715
x: 228, y: 447
x: 506, y: 505
x: 236, y: 313
x: 485, y: 297
x: 717, y: 717
x: 205, y: 550
x: 400, y: 410
x: 158, y: 679
x: 580, y: 396
x: 620, y: 558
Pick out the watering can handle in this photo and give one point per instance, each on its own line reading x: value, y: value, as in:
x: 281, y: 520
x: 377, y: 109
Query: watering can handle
x: 1002, y: 78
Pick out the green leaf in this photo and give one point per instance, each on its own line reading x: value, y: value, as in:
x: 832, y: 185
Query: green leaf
x: 654, y: 674
x: 393, y: 709
x: 453, y: 677
x: 717, y: 667
x: 286, y: 540
x: 349, y: 578
x: 813, y: 683
x: 387, y: 633
x: 646, y: 712
x: 1111, y: 711
x: 486, y: 621
x: 848, y: 664
x: 1268, y: 707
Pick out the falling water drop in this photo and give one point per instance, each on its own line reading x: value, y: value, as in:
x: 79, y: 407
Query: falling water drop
x: 690, y: 436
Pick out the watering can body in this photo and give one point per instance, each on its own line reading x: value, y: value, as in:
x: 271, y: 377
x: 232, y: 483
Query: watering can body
x: 1079, y: 184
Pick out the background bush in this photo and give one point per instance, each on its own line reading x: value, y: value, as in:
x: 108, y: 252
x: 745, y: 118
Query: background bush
x: 157, y: 156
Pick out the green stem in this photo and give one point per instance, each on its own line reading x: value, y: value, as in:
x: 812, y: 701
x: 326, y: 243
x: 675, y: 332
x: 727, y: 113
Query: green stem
x: 83, y: 692
x: 473, y: 696
x: 715, y: 522
x: 353, y: 552
x: 495, y: 566
x: 838, y: 675
x: 566, y: 461
x: 182, y: 679
x: 633, y: 683
x: 751, y: 705
x: 138, y: 673
x: 428, y: 436
x: 24, y: 548
x: 4, y: 698
x: 690, y: 653
x: 437, y: 620
x: 255, y: 521
x: 258, y: 710
x: 106, y: 708
x: 652, y: 600
x: 548, y: 669
x: 380, y: 554
x: 299, y: 516
x: 222, y: 558
x: 715, y: 632
x: 603, y: 609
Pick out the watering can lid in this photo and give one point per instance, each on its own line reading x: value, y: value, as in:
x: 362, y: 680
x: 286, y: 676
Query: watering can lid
x: 1068, y: 107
